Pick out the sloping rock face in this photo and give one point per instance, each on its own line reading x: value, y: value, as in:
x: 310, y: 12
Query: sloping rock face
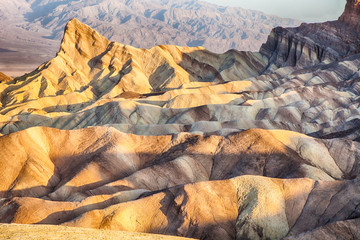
x: 102, y: 178
x: 118, y: 181
x: 4, y: 78
x: 104, y: 160
x: 311, y: 44
x: 91, y: 66
x: 351, y: 14
x: 337, y: 230
x: 184, y: 142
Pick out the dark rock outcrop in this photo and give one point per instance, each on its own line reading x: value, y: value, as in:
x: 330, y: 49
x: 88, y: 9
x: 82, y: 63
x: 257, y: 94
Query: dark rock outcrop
x: 311, y: 44
x: 351, y: 14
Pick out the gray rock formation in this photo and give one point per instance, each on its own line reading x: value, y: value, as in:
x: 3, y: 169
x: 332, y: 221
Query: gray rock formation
x: 348, y: 229
x: 311, y: 44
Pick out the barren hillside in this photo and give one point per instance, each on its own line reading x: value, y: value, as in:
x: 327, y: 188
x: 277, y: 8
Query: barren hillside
x: 184, y: 142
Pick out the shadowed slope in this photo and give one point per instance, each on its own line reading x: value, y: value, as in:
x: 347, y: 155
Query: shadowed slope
x: 337, y: 230
x: 54, y: 180
x: 103, y: 160
x: 243, y: 207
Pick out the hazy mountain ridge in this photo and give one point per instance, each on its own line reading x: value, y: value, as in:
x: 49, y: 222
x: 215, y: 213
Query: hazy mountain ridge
x: 138, y: 23
x: 190, y: 21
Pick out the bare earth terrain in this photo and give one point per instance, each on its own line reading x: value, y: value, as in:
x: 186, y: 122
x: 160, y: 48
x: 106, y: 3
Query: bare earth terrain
x: 181, y: 141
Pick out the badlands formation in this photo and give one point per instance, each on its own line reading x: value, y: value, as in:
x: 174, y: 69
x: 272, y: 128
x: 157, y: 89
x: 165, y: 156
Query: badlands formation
x: 184, y: 142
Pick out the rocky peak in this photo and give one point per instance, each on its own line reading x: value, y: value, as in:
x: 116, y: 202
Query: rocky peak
x: 4, y: 78
x: 311, y: 44
x: 81, y: 39
x: 351, y: 14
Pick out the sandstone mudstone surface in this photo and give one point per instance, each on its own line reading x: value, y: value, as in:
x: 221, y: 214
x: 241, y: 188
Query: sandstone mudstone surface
x: 181, y: 141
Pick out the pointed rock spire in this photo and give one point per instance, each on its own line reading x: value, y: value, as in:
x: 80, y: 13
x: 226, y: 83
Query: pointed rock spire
x: 351, y: 14
x: 81, y: 39
x: 4, y: 78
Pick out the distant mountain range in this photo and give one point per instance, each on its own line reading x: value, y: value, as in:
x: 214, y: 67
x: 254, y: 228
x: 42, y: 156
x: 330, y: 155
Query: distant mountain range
x: 31, y: 30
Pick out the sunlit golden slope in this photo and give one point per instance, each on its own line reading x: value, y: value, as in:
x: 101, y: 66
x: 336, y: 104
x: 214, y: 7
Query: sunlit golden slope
x: 102, y: 178
x: 89, y: 67
x: 63, y: 164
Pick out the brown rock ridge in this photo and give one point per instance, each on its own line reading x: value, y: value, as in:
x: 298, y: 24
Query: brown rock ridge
x: 320, y: 101
x: 63, y: 87
x: 101, y: 160
x: 351, y: 14
x: 247, y: 207
x: 311, y: 44
x: 4, y: 78
x: 169, y: 89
